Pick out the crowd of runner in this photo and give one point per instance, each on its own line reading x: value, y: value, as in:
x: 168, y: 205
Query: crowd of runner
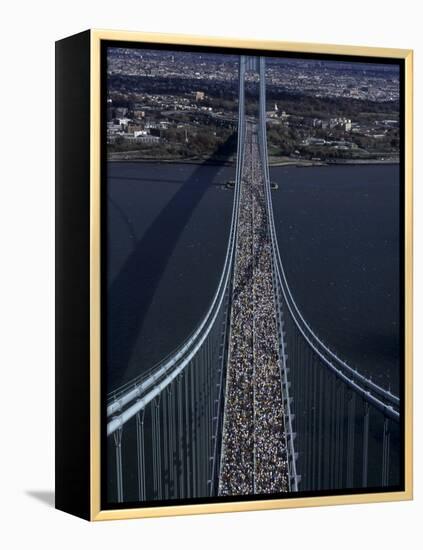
x: 253, y: 449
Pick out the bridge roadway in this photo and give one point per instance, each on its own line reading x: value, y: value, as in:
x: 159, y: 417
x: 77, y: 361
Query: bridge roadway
x: 253, y: 458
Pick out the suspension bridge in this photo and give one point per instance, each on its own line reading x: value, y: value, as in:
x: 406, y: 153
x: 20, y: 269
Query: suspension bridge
x: 253, y: 402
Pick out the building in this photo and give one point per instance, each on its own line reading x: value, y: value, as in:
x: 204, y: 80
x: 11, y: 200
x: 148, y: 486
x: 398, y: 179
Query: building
x: 152, y: 125
x: 123, y: 122
x: 314, y: 141
x: 341, y: 123
x: 151, y: 140
x: 132, y: 128
x: 271, y: 114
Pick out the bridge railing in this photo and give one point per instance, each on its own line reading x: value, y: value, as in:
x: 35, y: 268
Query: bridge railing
x: 344, y: 422
x: 290, y: 434
x: 174, y: 410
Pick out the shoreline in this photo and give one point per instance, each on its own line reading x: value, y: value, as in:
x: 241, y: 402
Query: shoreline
x: 350, y: 162
x: 275, y: 163
x: 178, y: 161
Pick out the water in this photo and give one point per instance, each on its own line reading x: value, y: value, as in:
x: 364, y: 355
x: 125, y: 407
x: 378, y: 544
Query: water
x: 338, y: 232
x: 168, y: 227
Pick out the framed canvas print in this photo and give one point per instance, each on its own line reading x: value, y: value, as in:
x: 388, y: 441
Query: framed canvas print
x: 234, y: 274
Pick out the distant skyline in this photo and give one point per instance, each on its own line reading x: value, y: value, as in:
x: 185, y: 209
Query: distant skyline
x: 290, y: 73
x: 334, y: 65
x: 300, y: 62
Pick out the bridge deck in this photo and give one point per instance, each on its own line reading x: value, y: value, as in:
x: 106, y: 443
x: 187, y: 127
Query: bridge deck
x: 253, y: 443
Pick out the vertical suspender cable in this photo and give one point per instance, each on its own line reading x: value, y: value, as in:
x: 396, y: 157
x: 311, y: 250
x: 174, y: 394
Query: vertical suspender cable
x: 140, y: 455
x: 365, y: 443
x: 118, y: 455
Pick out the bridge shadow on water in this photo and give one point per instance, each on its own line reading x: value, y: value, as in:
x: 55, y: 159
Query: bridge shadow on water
x: 127, y: 310
x: 155, y: 180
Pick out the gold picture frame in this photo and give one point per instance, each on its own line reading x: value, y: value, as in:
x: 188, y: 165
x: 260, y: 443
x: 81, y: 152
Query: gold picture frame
x: 92, y: 496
